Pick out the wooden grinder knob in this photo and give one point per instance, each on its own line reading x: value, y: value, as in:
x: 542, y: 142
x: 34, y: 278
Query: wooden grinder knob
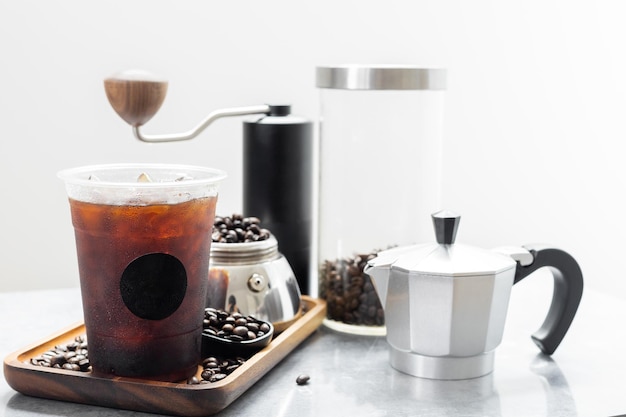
x: 135, y: 95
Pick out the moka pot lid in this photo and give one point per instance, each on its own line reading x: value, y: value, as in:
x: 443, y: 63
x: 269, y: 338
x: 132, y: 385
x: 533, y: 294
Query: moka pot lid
x: 444, y: 258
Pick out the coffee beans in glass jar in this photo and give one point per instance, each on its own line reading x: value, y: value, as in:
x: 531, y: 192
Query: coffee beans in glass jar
x: 349, y: 293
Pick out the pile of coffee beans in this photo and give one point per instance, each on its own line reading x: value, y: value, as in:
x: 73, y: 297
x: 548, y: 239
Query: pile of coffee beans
x: 349, y: 293
x: 233, y: 326
x: 72, y: 356
x: 216, y: 368
x: 238, y: 229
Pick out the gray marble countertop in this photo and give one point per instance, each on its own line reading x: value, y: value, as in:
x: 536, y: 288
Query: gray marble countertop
x: 351, y: 376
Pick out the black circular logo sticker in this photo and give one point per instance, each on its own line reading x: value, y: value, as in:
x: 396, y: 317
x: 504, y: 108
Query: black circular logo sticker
x: 153, y: 286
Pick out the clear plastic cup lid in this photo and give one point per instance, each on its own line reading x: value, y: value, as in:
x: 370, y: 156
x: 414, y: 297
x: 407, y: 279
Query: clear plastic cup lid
x: 140, y: 183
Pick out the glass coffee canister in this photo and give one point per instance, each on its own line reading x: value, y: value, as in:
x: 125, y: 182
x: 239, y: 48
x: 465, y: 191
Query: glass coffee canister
x: 381, y: 131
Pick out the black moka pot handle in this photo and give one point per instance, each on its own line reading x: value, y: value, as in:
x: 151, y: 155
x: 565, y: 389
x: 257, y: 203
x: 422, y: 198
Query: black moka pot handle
x: 568, y: 290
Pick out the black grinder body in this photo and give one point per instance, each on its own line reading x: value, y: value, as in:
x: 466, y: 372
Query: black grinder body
x: 277, y: 183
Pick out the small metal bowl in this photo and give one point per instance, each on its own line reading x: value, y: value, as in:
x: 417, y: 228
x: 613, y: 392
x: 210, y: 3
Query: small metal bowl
x: 215, y: 345
x: 253, y: 278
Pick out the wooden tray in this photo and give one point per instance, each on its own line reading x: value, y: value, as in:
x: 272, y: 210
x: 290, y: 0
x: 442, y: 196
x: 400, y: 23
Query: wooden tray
x: 178, y: 399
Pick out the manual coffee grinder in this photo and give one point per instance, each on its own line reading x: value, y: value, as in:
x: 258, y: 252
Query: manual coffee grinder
x: 277, y: 160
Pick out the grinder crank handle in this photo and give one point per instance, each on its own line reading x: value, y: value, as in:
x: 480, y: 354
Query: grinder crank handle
x: 136, y: 96
x: 568, y: 290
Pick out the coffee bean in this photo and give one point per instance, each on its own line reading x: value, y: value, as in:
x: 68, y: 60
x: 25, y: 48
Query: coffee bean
x: 207, y: 374
x: 217, y: 377
x: 231, y: 237
x: 241, y: 331
x: 209, y: 359
x: 58, y: 359
x: 249, y: 221
x: 303, y: 379
x: 71, y: 367
x: 84, y: 365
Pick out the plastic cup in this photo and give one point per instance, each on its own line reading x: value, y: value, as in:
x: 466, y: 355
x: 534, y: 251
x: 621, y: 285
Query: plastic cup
x: 143, y: 236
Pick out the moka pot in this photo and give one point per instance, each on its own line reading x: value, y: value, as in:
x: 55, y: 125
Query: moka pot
x: 446, y: 303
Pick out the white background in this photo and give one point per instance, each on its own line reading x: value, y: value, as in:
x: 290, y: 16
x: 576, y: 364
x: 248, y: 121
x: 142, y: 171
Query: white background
x: 534, y: 123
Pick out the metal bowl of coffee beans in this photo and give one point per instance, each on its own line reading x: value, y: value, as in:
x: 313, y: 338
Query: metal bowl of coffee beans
x: 233, y: 333
x: 249, y: 275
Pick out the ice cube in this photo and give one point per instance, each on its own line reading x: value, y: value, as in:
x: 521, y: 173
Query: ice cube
x: 143, y: 177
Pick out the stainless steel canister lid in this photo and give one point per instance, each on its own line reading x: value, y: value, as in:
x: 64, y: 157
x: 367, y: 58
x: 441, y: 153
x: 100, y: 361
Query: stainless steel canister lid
x: 380, y: 77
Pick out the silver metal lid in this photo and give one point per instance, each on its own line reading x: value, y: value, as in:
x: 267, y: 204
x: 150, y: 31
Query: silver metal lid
x: 456, y: 260
x: 244, y: 253
x: 444, y: 258
x: 380, y: 77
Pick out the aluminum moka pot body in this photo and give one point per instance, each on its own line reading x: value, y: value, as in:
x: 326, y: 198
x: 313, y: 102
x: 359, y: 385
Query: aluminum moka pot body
x: 444, y: 327
x: 446, y: 304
